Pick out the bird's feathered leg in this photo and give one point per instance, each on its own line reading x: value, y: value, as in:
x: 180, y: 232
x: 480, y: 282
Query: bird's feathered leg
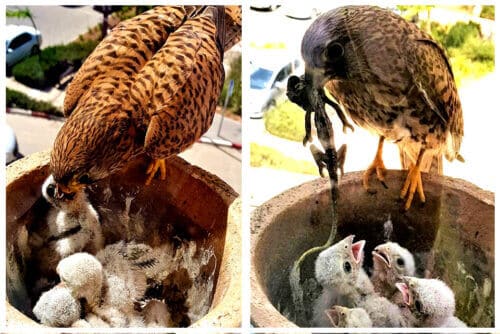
x: 413, y: 182
x: 376, y: 166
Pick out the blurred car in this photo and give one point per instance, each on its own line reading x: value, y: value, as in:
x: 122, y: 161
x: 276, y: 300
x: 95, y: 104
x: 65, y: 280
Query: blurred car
x: 11, y: 148
x: 268, y: 83
x: 261, y: 5
x: 21, y: 41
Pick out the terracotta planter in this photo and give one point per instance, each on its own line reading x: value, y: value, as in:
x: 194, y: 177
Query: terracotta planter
x: 190, y: 199
x: 451, y: 236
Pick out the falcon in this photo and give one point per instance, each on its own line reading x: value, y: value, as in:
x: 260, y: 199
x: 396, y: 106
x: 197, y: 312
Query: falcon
x: 150, y: 87
x: 391, y: 78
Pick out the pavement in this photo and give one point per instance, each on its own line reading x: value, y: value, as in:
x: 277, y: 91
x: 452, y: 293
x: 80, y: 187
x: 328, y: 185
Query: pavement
x: 59, y: 24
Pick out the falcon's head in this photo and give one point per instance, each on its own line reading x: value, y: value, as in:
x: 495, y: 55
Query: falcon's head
x: 89, y: 147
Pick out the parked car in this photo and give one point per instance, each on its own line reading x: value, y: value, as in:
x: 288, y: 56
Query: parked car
x: 21, y: 41
x: 11, y: 148
x: 268, y: 83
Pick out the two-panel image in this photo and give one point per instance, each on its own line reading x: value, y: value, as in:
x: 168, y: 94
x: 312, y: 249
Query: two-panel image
x: 249, y: 167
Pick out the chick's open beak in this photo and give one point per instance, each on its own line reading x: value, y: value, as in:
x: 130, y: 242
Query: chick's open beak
x: 357, y: 250
x: 381, y: 256
x: 334, y: 315
x: 405, y: 291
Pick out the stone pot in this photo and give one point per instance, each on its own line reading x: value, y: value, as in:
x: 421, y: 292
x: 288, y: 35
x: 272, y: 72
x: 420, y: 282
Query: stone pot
x: 190, y: 199
x: 451, y: 237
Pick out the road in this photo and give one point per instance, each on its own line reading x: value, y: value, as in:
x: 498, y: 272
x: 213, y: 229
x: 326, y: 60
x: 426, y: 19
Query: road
x: 38, y: 134
x: 58, y: 24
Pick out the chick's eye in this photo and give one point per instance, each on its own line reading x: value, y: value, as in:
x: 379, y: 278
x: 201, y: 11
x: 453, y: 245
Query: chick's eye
x: 85, y: 179
x: 418, y: 305
x: 400, y: 262
x: 347, y: 267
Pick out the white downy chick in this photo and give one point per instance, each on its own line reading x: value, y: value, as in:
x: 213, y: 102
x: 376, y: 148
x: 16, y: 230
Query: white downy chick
x: 71, y: 225
x: 125, y: 284
x: 83, y: 274
x: 156, y: 314
x: 431, y: 301
x: 57, y: 307
x: 348, y: 317
x: 110, y: 288
x: 390, y: 263
x: 338, y: 266
x: 72, y: 214
x: 339, y: 271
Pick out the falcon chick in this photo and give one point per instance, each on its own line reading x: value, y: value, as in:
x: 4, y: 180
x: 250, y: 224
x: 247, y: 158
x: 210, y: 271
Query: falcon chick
x: 391, y: 78
x: 57, y: 307
x: 71, y: 225
x: 339, y: 270
x: 431, y: 302
x: 150, y: 87
x: 108, y: 283
x: 390, y: 263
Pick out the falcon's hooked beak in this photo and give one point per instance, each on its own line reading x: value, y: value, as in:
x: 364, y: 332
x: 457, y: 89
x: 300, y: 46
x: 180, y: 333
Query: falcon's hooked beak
x: 59, y: 191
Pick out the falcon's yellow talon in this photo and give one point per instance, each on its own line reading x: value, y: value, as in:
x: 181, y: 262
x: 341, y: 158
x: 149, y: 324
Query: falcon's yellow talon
x: 377, y: 167
x: 157, y: 164
x: 413, y: 183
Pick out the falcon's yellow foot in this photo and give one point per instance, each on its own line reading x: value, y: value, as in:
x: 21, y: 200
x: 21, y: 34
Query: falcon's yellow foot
x: 377, y: 167
x: 413, y: 182
x: 153, y: 168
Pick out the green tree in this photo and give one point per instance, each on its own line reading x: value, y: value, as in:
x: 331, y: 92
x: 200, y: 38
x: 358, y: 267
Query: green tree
x: 21, y: 14
x: 235, y: 74
x: 412, y: 13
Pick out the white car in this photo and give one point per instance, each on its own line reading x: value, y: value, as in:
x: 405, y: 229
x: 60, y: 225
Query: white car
x: 11, y: 148
x: 21, y: 41
x: 268, y: 83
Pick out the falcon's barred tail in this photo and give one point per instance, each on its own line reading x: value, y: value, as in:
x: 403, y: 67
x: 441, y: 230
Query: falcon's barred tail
x: 431, y: 162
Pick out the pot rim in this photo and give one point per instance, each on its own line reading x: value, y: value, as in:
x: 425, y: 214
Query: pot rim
x: 220, y: 315
x: 263, y: 312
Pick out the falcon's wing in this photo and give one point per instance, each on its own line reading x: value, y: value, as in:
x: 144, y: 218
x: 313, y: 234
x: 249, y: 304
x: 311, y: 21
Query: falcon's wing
x: 431, y: 73
x: 178, y: 89
x: 120, y: 56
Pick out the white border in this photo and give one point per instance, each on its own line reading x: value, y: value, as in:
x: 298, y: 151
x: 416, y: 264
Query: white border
x: 246, y: 293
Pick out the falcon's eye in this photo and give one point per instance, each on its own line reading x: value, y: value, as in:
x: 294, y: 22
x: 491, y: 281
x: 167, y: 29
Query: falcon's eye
x: 418, y: 305
x: 335, y: 50
x: 85, y: 179
x: 347, y: 267
x: 400, y: 262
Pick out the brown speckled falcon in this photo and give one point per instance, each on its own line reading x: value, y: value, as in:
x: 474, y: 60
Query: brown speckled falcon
x: 151, y: 86
x: 391, y: 78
